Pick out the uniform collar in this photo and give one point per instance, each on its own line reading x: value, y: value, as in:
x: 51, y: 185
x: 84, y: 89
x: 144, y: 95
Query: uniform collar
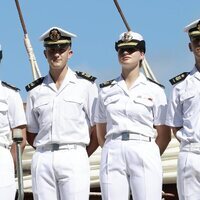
x: 195, y: 72
x: 121, y: 83
x: 141, y: 79
x: 70, y: 77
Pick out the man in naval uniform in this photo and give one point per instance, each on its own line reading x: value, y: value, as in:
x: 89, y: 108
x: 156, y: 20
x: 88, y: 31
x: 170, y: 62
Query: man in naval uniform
x: 60, y: 109
x: 184, y: 117
x: 12, y: 117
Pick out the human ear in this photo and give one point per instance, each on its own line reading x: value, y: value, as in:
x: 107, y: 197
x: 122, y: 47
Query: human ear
x: 142, y: 55
x: 190, y: 46
x: 70, y: 53
x: 45, y: 54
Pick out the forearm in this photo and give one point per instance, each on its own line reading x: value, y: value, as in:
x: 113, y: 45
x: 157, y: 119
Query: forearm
x: 101, y: 132
x: 31, y: 138
x: 93, y: 145
x: 101, y: 141
x: 163, y: 138
x: 174, y: 130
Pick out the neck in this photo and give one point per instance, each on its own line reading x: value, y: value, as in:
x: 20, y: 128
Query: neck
x: 130, y: 76
x: 58, y: 76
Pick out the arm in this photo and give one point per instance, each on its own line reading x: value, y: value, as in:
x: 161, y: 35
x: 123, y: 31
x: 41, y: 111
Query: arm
x: 174, y: 130
x: 174, y: 116
x: 93, y: 141
x: 163, y: 138
x: 101, y: 132
x: 32, y: 121
x: 23, y: 143
x: 89, y: 108
x: 31, y: 138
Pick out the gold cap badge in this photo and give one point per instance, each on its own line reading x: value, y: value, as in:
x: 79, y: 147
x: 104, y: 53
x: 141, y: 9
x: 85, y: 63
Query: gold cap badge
x: 127, y: 37
x: 54, y: 35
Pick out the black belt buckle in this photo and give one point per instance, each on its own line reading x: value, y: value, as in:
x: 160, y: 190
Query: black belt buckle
x: 125, y: 136
x: 55, y: 147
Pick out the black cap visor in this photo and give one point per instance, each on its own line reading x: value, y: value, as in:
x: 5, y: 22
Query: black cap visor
x: 140, y: 45
x: 57, y: 46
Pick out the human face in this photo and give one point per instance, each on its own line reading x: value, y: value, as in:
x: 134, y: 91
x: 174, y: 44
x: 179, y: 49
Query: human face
x: 195, y: 47
x: 130, y: 57
x: 58, y: 57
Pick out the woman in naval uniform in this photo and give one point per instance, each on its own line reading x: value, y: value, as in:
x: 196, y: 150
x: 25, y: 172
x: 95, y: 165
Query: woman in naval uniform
x: 130, y: 116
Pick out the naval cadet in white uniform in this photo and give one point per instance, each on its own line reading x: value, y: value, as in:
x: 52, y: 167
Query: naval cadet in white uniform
x: 184, y: 117
x: 12, y: 116
x: 60, y: 123
x: 130, y: 117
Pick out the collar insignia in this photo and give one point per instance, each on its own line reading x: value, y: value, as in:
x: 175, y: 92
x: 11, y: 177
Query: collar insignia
x: 10, y: 86
x: 107, y: 83
x: 156, y: 82
x: 86, y: 76
x: 178, y: 78
x: 34, y: 84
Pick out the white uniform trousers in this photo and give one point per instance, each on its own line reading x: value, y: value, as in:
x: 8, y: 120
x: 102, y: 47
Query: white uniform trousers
x: 7, y: 175
x: 188, y: 174
x: 61, y: 175
x: 130, y: 164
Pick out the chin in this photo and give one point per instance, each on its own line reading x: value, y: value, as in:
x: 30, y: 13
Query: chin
x: 127, y: 64
x: 57, y: 67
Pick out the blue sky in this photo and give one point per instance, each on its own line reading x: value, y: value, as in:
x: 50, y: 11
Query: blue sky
x: 97, y: 24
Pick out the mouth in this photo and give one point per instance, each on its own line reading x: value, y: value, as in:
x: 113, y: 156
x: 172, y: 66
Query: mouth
x: 125, y: 58
x: 56, y: 60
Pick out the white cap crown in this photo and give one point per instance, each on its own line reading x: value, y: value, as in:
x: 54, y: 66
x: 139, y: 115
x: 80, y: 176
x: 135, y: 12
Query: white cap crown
x: 193, y: 29
x: 62, y: 32
x: 127, y: 36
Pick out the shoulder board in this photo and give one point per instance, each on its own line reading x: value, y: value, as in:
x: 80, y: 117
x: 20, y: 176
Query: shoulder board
x: 10, y: 86
x: 156, y: 83
x: 86, y: 76
x: 178, y: 78
x: 105, y: 84
x: 35, y: 83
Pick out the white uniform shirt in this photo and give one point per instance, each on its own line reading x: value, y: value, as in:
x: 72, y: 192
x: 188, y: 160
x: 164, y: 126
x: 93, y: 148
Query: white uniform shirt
x: 64, y: 115
x: 184, y: 108
x: 11, y: 113
x: 135, y: 110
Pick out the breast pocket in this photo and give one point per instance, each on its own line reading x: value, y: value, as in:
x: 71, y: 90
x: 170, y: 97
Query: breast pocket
x: 111, y: 100
x: 190, y: 100
x: 143, y: 105
x: 144, y: 101
x: 188, y: 96
x: 3, y: 113
x: 73, y: 108
x: 41, y: 109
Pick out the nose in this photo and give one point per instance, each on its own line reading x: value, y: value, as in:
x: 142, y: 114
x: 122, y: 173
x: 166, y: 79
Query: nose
x: 123, y: 52
x: 56, y: 53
